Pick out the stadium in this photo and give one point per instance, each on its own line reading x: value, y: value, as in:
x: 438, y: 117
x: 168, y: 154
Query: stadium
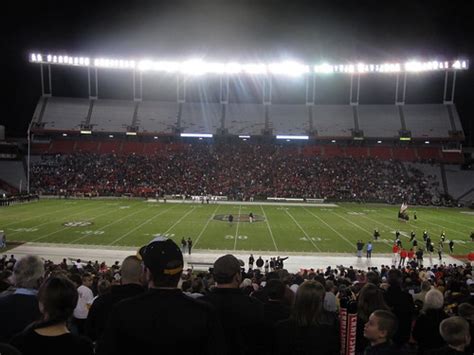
x: 330, y: 165
x: 301, y: 167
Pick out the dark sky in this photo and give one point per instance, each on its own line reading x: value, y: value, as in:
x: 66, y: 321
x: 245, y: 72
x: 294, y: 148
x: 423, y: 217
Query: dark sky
x: 246, y: 30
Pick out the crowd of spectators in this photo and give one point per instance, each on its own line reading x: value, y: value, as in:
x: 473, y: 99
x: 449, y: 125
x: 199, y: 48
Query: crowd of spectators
x: 236, y: 171
x: 150, y: 302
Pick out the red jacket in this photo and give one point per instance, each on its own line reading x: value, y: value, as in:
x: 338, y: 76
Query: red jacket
x: 395, y: 249
x: 403, y: 253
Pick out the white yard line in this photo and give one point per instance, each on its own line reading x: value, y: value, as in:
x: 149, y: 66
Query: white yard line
x: 57, y: 219
x: 108, y: 225
x: 269, y: 229
x: 358, y: 226
x: 60, y: 230
x: 39, y: 216
x: 306, y: 234
x: 438, y: 225
x: 237, y: 230
x: 179, y: 220
x: 141, y: 225
x: 329, y: 226
x: 205, y: 226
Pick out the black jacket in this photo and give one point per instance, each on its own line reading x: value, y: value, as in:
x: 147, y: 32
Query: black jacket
x: 102, y: 306
x: 426, y: 330
x: 17, y: 311
x: 319, y: 339
x: 401, y: 304
x: 242, y: 319
x: 160, y: 321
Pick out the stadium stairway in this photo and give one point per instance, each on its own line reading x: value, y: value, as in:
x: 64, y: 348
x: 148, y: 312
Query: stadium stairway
x: 444, y: 179
x: 13, y: 173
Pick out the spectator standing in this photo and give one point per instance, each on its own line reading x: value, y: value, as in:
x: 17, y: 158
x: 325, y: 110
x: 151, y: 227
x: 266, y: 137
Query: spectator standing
x: 130, y: 286
x: 84, y: 302
x: 241, y: 316
x: 164, y: 317
x: 57, y: 299
x: 19, y: 307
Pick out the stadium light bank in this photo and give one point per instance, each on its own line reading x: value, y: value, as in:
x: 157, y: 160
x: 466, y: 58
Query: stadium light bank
x: 284, y: 68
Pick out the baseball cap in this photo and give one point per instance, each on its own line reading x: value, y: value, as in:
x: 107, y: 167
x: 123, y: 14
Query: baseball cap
x: 226, y: 266
x: 162, y: 256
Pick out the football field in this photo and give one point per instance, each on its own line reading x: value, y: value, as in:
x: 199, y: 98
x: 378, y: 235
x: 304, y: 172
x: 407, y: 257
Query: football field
x: 285, y: 228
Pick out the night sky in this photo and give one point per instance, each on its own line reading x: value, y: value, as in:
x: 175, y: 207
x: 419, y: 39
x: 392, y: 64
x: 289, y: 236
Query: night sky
x: 311, y: 31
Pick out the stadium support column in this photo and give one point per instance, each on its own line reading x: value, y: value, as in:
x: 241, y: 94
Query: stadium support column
x: 354, y: 102
x: 267, y: 101
x: 180, y: 99
x: 137, y: 98
x: 449, y: 100
x: 93, y: 90
x: 28, y: 158
x: 224, y: 99
x: 400, y: 102
x: 46, y: 90
x: 310, y: 99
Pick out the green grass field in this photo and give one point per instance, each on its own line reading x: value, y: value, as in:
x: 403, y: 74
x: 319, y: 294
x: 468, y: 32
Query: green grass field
x: 283, y: 228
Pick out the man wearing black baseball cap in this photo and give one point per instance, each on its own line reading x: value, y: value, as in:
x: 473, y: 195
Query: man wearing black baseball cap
x: 163, y: 318
x: 241, y: 316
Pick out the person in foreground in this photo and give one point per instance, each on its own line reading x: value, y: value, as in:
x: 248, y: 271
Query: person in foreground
x: 455, y: 332
x: 57, y: 299
x: 379, y: 331
x: 310, y: 329
x: 163, y: 319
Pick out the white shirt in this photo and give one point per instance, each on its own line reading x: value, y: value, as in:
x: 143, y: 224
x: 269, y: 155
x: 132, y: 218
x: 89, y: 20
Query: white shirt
x: 85, y: 298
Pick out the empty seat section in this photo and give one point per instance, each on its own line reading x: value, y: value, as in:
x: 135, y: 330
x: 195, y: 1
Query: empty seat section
x: 427, y: 121
x: 65, y: 114
x: 429, y: 153
x: 201, y: 117
x: 289, y: 119
x: 334, y: 151
x: 379, y: 120
x: 87, y: 146
x: 404, y: 154
x: 40, y: 148
x: 62, y: 146
x: 13, y: 173
x: 384, y: 153
x: 112, y: 115
x: 152, y: 148
x: 245, y: 118
x: 459, y: 181
x: 109, y: 147
x: 452, y: 157
x: 132, y: 147
x: 157, y: 116
x: 312, y: 150
x: 357, y: 152
x: 333, y: 120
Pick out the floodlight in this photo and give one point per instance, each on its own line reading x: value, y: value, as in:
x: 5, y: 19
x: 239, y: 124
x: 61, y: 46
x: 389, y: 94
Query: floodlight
x: 196, y: 135
x: 131, y: 133
x: 254, y: 68
x: 378, y: 142
x: 290, y: 68
x: 64, y: 134
x: 333, y: 141
x: 291, y: 137
x: 427, y: 142
x: 324, y: 68
x: 86, y: 132
x: 244, y: 136
x: 111, y: 136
